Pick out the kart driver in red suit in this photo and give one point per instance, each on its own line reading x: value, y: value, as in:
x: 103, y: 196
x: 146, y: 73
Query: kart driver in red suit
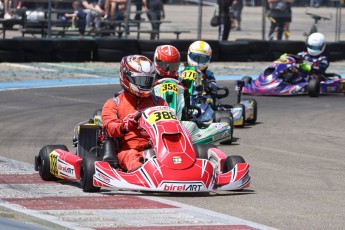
x: 137, y: 78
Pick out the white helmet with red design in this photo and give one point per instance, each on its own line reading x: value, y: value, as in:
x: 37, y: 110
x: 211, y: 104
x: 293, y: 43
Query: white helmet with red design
x: 137, y: 75
x: 167, y: 61
x: 199, y: 55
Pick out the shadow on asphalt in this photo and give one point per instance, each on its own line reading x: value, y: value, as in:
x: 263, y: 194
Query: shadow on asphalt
x: 179, y: 194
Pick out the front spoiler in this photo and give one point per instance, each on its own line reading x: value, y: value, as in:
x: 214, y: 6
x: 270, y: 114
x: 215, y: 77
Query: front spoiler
x: 201, y: 177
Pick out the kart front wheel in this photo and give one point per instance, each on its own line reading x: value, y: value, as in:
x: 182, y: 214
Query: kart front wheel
x: 255, y: 112
x: 42, y: 161
x: 201, y: 150
x: 230, y: 122
x: 243, y: 114
x: 314, y: 87
x: 87, y: 171
x: 231, y: 161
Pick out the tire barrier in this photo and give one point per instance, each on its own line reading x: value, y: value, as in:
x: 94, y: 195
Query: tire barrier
x: 38, y: 49
x: 234, y: 51
x: 11, y: 51
x: 277, y: 48
x: 74, y: 50
x: 335, y: 51
x: 259, y: 50
x: 113, y: 49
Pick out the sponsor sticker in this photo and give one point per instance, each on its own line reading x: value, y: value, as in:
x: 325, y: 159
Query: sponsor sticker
x: 220, y: 136
x: 177, y: 160
x: 53, y: 157
x: 67, y: 170
x: 219, y: 126
x: 188, y: 187
x: 331, y: 89
x: 103, y: 178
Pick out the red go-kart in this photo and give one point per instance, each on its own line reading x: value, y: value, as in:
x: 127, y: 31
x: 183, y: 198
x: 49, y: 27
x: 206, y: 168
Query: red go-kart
x: 172, y: 163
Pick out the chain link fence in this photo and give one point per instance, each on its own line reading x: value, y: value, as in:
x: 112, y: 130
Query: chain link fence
x: 190, y: 15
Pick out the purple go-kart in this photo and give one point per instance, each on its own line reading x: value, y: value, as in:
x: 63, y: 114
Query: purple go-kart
x: 283, y: 77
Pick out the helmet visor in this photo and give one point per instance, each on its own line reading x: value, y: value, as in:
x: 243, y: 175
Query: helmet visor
x: 314, y: 47
x: 199, y: 58
x: 145, y: 82
x: 168, y: 66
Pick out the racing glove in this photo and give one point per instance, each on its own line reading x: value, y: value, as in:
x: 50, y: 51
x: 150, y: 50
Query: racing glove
x: 305, y: 66
x: 130, y: 122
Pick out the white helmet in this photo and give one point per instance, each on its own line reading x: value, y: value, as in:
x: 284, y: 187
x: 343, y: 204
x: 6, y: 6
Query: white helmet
x: 199, y: 55
x: 316, y: 44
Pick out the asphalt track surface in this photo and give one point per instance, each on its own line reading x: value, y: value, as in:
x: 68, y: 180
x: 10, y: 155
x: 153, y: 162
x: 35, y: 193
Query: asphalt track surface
x: 296, y: 151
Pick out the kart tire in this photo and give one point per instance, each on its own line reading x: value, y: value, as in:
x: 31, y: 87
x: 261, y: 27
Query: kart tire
x: 243, y: 114
x: 255, y: 112
x: 231, y: 161
x: 230, y: 122
x: 314, y: 87
x: 87, y: 171
x: 221, y: 113
x: 201, y: 150
x: 98, y: 112
x: 42, y: 162
x: 247, y: 79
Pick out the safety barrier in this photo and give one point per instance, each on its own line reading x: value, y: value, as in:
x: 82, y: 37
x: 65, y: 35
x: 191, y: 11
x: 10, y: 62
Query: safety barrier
x: 113, y: 49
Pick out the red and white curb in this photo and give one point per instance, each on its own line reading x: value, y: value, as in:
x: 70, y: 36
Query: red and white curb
x: 65, y: 204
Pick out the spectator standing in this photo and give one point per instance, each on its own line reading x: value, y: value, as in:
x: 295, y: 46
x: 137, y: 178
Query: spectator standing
x: 139, y: 7
x: 278, y: 17
x: 288, y: 19
x: 238, y: 6
x: 78, y: 18
x: 155, y: 12
x: 224, y: 19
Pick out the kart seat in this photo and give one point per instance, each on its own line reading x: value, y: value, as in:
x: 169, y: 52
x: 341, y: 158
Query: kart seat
x: 109, y: 150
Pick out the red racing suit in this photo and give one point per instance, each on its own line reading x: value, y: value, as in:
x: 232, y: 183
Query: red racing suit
x: 132, y: 143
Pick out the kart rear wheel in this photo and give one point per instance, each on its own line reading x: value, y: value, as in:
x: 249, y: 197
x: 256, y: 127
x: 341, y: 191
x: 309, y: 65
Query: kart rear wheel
x: 87, y: 171
x: 42, y: 161
x: 231, y: 161
x: 243, y: 114
x: 255, y: 112
x: 314, y: 87
x: 230, y: 122
x: 247, y: 79
x: 201, y: 150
